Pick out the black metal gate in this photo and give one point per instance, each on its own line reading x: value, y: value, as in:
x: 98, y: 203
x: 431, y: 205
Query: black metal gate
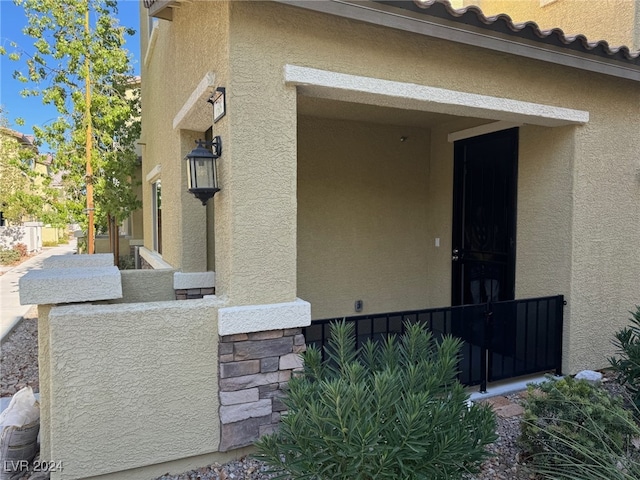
x: 500, y: 340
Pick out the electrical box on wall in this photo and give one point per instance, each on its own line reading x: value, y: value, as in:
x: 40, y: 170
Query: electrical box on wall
x: 358, y: 306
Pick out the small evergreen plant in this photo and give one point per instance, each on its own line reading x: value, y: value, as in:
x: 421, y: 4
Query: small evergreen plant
x: 393, y: 410
x: 627, y: 365
x: 573, y: 429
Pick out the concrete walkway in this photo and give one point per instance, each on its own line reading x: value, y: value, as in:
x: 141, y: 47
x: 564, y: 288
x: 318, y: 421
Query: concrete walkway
x: 11, y: 312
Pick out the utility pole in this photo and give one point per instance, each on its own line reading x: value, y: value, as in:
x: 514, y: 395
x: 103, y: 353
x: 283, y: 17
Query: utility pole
x: 89, y: 142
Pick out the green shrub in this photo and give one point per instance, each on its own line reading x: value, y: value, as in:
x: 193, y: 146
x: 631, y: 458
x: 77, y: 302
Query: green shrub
x: 627, y: 366
x: 392, y: 410
x: 22, y: 249
x: 573, y: 429
x: 7, y: 257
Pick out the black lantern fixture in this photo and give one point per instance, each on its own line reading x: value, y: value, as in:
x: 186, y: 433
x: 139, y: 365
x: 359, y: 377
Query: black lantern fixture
x: 201, y: 169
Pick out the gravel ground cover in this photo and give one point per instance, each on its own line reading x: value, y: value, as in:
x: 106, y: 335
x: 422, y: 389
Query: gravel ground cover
x: 19, y: 359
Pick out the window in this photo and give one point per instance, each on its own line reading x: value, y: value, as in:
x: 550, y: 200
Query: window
x: 156, y: 205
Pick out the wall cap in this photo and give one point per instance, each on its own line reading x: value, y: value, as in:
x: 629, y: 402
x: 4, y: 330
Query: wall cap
x: 186, y: 280
x: 78, y: 261
x: 259, y: 318
x: 69, y: 285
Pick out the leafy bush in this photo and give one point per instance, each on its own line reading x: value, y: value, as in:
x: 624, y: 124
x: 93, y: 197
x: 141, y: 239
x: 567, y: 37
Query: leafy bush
x: 22, y: 249
x: 573, y: 429
x: 627, y: 366
x: 7, y: 257
x: 127, y: 262
x: 391, y: 410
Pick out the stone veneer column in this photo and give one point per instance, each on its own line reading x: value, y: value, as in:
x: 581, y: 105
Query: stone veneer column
x: 254, y: 371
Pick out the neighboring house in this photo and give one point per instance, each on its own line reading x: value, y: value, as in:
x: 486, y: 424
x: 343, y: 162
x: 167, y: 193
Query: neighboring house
x: 615, y: 21
x: 15, y: 225
x: 377, y: 157
x: 130, y: 231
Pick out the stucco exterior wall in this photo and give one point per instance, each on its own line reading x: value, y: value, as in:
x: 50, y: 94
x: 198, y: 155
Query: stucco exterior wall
x: 606, y: 222
x: 570, y: 177
x: 143, y: 391
x: 179, y: 57
x: 615, y: 21
x: 362, y: 216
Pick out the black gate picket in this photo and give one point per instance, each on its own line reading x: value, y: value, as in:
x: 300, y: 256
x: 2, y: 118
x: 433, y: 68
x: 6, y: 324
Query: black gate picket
x: 499, y: 340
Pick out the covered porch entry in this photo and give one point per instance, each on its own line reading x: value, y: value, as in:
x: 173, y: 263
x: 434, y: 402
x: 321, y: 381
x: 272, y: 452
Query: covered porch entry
x: 376, y: 211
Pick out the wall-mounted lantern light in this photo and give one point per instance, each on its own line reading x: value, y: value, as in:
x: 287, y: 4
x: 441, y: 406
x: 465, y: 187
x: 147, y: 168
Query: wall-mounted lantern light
x: 201, y: 169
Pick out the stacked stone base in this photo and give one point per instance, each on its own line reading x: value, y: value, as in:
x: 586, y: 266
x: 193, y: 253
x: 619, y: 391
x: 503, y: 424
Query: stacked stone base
x: 193, y: 293
x: 254, y: 371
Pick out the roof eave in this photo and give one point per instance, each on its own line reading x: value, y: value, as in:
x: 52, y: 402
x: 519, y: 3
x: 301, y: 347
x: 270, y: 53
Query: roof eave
x: 403, y: 19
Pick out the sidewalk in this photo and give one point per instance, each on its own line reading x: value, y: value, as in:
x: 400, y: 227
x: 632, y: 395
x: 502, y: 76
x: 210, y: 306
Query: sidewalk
x: 11, y: 312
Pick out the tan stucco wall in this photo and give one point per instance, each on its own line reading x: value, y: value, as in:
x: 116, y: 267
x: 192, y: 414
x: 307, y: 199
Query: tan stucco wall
x: 143, y: 391
x: 362, y: 216
x: 256, y: 211
x: 179, y: 59
x: 615, y: 21
x: 146, y: 286
x: 606, y: 223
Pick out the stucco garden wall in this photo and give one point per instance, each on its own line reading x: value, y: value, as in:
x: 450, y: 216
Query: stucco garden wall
x: 143, y: 391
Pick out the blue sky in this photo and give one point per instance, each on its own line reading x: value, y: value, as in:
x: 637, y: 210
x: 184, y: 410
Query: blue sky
x: 12, y: 20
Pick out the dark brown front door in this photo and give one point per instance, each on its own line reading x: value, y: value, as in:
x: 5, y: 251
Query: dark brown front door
x: 484, y: 218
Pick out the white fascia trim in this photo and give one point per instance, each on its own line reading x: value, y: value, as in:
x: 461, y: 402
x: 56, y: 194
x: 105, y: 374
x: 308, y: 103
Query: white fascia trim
x: 196, y: 114
x: 154, y: 174
x: 402, y: 19
x: 410, y: 96
x: 481, y: 130
x: 186, y: 280
x: 154, y: 259
x: 260, y: 318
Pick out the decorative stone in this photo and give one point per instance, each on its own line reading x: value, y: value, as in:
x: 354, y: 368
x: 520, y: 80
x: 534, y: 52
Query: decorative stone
x: 241, y: 434
x: 270, y: 364
x: 239, y: 396
x: 299, y: 348
x: 265, y: 335
x: 243, y: 411
x: 298, y: 339
x: 291, y: 361
x: 225, y: 348
x: 267, y: 391
x: 239, y: 369
x: 590, y: 376
x: 263, y: 348
x: 238, y: 337
x: 508, y: 411
x: 226, y: 358
x: 290, y: 332
x: 268, y: 429
x: 248, y: 381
